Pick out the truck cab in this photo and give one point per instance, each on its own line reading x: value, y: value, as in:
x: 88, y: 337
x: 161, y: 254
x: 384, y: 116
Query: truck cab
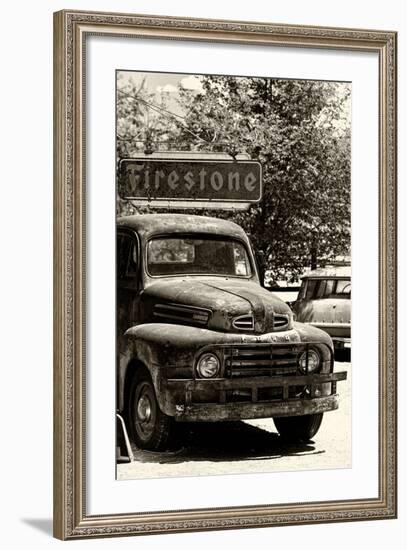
x: 199, y: 339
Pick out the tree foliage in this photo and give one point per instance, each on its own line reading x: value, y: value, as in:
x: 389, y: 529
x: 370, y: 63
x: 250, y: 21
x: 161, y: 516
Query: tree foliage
x: 298, y: 130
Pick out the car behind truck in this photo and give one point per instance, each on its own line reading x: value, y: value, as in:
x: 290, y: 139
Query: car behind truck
x: 199, y: 339
x: 324, y: 301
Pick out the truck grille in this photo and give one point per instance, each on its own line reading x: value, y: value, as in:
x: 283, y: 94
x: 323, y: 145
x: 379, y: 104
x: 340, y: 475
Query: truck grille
x: 182, y: 314
x: 244, y: 322
x: 260, y: 360
x: 280, y: 322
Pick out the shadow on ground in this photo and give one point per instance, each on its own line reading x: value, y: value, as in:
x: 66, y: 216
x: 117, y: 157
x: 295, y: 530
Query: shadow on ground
x: 343, y: 355
x: 224, y: 441
x: 40, y: 524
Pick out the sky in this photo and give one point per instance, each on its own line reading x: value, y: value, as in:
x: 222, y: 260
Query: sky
x: 164, y: 86
x: 161, y: 84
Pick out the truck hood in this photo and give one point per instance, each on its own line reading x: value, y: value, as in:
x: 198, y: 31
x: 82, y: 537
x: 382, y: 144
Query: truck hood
x: 216, y: 303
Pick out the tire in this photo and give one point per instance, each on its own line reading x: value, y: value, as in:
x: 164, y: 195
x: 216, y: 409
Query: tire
x: 150, y: 428
x: 298, y: 428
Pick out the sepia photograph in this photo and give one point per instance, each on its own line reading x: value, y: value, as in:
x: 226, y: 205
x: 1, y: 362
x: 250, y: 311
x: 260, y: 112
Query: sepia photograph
x: 219, y: 187
x: 233, y: 274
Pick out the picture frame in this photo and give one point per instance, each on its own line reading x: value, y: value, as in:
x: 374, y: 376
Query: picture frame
x: 71, y: 517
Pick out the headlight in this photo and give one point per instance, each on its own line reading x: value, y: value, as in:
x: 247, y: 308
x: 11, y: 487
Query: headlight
x: 208, y: 365
x: 313, y: 361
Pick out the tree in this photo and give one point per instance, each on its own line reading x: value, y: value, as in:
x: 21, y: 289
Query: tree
x: 299, y: 131
x: 141, y: 125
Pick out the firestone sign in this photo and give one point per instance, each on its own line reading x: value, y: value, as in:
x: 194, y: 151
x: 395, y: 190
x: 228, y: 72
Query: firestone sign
x: 190, y: 180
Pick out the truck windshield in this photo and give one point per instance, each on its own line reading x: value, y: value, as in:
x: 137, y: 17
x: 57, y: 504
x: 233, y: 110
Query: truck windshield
x: 197, y: 256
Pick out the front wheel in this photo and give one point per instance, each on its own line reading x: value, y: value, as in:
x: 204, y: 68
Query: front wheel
x: 298, y: 428
x: 149, y: 426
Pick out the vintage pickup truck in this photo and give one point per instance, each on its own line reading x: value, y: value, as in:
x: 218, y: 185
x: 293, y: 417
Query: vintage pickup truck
x: 198, y: 338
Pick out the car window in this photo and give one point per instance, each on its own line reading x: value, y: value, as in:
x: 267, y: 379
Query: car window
x: 132, y: 264
x: 197, y: 255
x: 126, y: 250
x: 327, y: 288
x: 343, y: 287
x: 310, y: 289
x: 171, y: 251
x: 324, y: 288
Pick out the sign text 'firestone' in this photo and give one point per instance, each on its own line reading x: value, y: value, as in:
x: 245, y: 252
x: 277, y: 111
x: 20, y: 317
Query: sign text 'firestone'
x: 190, y: 180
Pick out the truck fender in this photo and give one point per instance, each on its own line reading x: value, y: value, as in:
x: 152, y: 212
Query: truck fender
x: 152, y: 345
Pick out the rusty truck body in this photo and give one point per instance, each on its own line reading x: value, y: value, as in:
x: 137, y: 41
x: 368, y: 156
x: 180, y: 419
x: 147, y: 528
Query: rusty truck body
x: 199, y: 339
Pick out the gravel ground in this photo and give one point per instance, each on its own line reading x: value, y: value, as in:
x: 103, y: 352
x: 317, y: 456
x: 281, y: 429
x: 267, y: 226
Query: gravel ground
x: 250, y: 446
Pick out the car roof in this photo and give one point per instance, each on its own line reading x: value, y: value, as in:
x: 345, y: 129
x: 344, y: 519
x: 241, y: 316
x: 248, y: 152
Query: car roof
x: 329, y: 272
x: 148, y: 225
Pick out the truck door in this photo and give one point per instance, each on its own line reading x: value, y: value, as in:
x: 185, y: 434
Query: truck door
x: 128, y: 284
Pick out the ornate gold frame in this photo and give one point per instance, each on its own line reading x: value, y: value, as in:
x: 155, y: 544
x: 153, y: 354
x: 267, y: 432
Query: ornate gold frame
x: 70, y: 519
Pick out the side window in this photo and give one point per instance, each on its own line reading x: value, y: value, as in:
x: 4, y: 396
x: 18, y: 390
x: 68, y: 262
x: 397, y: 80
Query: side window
x: 132, y: 263
x: 121, y: 256
x: 320, y: 290
x: 301, y: 294
x: 343, y: 287
x: 126, y: 263
x: 310, y: 289
x: 325, y: 288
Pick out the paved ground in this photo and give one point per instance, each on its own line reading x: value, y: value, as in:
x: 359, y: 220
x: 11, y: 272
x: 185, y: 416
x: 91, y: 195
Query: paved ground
x: 250, y: 446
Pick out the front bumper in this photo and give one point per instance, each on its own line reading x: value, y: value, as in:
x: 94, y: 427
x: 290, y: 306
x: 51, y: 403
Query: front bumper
x: 264, y: 397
